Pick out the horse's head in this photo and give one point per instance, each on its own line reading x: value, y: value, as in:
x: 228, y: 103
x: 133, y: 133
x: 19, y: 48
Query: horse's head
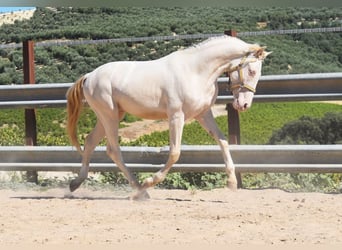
x: 244, y: 75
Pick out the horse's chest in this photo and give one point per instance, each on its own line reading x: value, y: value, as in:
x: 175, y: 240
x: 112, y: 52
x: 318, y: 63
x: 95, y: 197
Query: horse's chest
x: 200, y: 101
x: 205, y: 96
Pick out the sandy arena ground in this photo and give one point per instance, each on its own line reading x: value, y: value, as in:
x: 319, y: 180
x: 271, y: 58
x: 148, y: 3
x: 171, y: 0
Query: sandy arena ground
x: 170, y: 217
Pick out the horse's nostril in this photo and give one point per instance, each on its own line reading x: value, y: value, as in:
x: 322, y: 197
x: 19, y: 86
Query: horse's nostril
x: 246, y: 105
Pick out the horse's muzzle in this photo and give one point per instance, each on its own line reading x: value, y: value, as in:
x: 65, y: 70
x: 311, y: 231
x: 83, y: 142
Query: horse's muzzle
x: 239, y: 107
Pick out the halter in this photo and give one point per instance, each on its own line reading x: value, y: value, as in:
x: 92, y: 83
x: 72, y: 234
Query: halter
x: 241, y: 84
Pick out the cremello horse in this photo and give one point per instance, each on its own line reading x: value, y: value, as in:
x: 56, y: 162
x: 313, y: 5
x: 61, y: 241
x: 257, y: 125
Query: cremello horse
x: 179, y: 87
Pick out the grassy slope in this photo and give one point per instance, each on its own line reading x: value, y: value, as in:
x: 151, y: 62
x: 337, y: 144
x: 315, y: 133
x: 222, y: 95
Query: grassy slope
x: 257, y: 124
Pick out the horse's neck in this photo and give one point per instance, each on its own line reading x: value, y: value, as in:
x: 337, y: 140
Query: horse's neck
x: 215, y: 57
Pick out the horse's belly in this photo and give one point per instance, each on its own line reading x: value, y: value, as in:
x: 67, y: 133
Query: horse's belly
x: 150, y: 115
x: 142, y: 111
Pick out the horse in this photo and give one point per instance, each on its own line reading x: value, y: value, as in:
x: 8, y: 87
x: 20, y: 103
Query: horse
x: 178, y: 87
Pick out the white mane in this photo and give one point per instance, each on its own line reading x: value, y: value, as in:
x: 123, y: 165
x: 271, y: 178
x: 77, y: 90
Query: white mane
x: 210, y: 40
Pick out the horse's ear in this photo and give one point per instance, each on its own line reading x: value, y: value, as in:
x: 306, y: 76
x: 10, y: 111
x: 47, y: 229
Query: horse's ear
x: 266, y: 53
x: 261, y: 54
x: 258, y: 52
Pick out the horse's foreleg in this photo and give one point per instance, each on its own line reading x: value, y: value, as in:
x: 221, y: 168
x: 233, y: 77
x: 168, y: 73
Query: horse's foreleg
x: 176, y: 124
x: 208, y: 123
x: 91, y: 142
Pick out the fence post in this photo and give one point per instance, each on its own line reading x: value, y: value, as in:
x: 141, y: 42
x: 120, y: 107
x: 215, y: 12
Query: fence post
x: 30, y: 114
x: 233, y: 121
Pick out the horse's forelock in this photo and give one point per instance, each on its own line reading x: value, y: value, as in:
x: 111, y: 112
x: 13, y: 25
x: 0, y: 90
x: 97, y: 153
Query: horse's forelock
x: 259, y: 53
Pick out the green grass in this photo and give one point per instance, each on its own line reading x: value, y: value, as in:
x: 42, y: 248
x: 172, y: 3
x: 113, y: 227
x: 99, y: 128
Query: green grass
x: 257, y: 124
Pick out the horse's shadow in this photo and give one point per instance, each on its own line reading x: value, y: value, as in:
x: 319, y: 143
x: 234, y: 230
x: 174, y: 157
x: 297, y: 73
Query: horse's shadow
x: 101, y: 198
x: 70, y: 197
x: 189, y: 200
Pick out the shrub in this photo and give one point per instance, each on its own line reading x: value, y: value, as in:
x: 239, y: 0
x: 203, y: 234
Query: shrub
x: 308, y: 130
x: 305, y: 130
x: 11, y: 136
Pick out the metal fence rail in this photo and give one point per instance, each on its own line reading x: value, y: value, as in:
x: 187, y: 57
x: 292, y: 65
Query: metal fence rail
x: 171, y: 37
x: 195, y: 158
x: 297, y: 87
x: 248, y: 158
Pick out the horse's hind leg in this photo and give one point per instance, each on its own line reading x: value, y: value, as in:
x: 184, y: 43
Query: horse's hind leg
x: 111, y: 121
x: 91, y: 142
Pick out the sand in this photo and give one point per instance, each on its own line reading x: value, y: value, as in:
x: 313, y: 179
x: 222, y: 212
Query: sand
x: 181, y: 217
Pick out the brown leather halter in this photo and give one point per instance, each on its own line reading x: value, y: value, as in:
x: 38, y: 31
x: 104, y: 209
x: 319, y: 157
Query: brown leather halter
x: 241, y: 83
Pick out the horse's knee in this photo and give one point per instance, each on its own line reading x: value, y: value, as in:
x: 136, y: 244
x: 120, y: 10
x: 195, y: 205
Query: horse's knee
x: 174, y: 156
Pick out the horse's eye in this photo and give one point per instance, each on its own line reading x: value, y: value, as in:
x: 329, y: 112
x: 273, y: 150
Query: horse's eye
x: 251, y: 72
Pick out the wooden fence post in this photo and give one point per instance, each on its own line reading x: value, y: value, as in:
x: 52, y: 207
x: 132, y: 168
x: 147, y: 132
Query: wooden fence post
x: 233, y: 121
x: 30, y: 114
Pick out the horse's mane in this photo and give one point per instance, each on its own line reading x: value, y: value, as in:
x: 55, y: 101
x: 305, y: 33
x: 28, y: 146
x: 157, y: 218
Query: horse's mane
x: 210, y: 39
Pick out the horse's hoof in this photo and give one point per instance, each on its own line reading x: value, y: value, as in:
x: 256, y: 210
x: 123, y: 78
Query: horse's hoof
x: 74, y: 184
x: 141, y: 196
x: 232, y: 186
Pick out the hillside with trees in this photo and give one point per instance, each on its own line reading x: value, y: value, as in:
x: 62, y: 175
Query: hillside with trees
x: 297, y: 53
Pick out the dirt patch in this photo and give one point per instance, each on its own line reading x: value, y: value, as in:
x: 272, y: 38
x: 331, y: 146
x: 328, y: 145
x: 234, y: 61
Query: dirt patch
x: 139, y: 128
x: 170, y: 217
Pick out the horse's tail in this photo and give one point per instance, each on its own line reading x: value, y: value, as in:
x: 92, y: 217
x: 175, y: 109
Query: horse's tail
x: 75, y: 99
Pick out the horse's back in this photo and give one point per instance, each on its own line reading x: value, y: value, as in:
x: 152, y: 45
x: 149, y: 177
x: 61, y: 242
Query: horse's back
x: 136, y: 87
